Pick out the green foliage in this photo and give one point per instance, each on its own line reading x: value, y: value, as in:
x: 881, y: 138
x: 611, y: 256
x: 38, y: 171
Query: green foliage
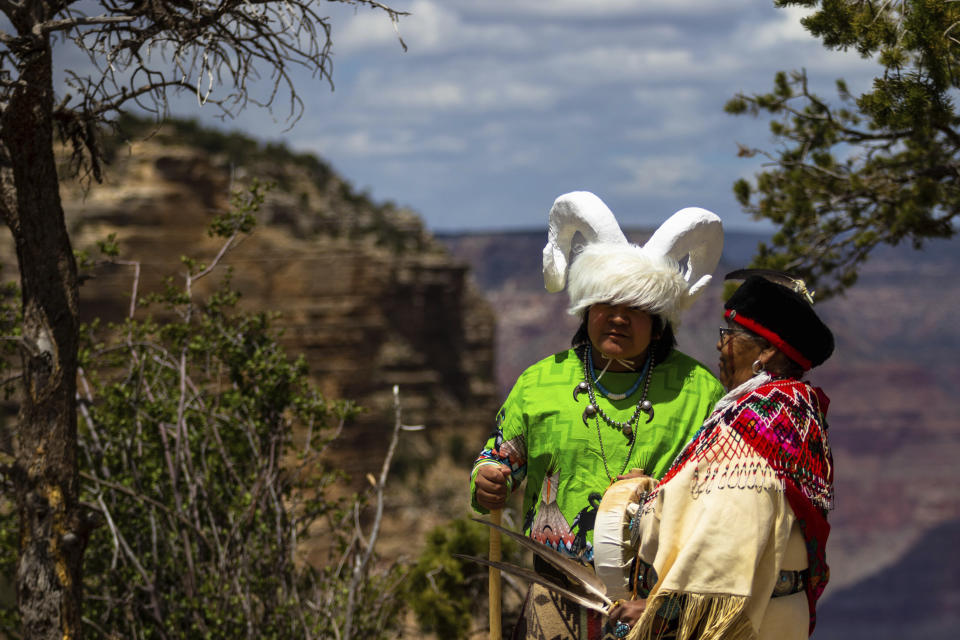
x: 444, y: 591
x: 240, y: 217
x: 201, y: 447
x: 878, y: 168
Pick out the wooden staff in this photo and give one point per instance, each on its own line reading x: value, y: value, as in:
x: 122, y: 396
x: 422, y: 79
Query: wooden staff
x: 495, y: 576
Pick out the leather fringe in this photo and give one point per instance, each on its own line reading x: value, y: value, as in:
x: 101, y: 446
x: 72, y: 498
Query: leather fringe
x: 702, y: 617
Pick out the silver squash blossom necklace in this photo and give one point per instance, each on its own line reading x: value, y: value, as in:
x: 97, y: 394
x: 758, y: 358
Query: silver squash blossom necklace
x: 593, y: 409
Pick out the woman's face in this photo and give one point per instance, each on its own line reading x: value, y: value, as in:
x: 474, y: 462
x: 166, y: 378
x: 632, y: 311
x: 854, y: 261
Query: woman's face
x: 620, y: 332
x: 738, y: 351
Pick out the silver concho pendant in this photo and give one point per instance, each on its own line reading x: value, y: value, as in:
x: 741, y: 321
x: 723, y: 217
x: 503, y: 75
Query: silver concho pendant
x: 588, y: 413
x: 647, y: 407
x: 580, y: 388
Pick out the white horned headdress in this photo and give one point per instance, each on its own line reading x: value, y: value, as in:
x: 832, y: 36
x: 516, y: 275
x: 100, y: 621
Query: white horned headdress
x: 662, y: 277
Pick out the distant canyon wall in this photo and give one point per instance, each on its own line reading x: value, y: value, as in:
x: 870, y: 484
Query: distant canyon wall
x: 363, y: 291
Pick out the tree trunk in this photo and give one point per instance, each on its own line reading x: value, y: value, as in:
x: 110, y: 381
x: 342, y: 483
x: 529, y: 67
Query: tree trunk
x: 52, y: 530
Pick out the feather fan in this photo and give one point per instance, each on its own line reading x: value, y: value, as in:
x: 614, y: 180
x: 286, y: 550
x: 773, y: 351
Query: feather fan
x: 580, y: 575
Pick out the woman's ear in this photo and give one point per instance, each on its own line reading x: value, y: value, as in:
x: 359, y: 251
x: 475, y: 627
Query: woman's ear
x: 776, y: 362
x: 768, y: 355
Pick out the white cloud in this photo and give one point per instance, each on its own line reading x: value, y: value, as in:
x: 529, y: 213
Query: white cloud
x: 431, y: 28
x: 667, y: 129
x: 515, y: 158
x: 455, y: 88
x: 783, y: 32
x: 604, y: 64
x: 388, y: 143
x: 668, y: 98
x: 602, y: 8
x: 659, y: 175
x: 512, y: 101
x: 514, y: 95
x: 428, y: 26
x: 441, y: 95
x: 781, y: 43
x: 670, y: 114
x: 858, y: 72
x: 783, y: 27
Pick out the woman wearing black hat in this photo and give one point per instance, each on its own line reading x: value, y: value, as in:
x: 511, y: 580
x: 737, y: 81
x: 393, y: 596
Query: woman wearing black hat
x: 731, y: 541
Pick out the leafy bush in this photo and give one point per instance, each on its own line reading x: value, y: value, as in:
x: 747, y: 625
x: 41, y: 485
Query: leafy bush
x: 445, y: 592
x: 201, y: 448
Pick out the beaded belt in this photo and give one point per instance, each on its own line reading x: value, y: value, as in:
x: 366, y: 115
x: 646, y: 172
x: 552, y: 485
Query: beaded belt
x: 790, y: 582
x: 787, y: 584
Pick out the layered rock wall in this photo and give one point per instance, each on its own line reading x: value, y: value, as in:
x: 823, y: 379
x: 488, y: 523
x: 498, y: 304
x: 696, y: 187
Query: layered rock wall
x: 363, y: 292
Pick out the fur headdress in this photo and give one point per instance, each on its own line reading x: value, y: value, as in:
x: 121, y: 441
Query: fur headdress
x: 662, y: 277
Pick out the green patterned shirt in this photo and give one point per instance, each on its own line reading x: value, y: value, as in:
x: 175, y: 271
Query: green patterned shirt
x: 567, y: 464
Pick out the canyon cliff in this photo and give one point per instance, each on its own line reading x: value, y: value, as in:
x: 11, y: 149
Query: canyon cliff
x: 361, y: 290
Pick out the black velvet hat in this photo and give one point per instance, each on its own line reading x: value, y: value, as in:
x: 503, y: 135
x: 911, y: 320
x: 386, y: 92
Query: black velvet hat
x: 782, y: 312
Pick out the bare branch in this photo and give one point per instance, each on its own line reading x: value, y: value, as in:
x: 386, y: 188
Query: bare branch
x: 336, y: 433
x: 181, y: 436
x: 360, y: 568
x: 83, y: 403
x: 121, y: 542
x: 9, y: 6
x: 11, y: 379
x: 213, y: 264
x: 135, y: 286
x: 46, y: 28
x: 140, y: 496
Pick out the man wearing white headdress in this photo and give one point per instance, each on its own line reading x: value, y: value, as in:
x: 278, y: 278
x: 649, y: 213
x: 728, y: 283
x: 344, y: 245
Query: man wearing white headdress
x: 622, y: 399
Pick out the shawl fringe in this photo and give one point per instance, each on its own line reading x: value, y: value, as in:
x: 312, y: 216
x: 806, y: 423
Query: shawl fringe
x: 702, y: 617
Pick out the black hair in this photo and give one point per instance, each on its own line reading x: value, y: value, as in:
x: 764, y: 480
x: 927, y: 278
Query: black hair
x: 663, y: 343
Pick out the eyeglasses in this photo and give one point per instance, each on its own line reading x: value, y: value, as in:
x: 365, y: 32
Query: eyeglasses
x: 727, y: 331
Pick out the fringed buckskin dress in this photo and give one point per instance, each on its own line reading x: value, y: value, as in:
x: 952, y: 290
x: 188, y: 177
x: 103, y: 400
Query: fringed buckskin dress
x: 731, y: 542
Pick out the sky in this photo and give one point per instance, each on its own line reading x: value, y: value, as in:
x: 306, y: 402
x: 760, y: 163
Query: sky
x: 499, y: 106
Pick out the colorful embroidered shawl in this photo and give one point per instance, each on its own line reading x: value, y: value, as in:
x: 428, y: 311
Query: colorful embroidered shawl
x: 784, y: 421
